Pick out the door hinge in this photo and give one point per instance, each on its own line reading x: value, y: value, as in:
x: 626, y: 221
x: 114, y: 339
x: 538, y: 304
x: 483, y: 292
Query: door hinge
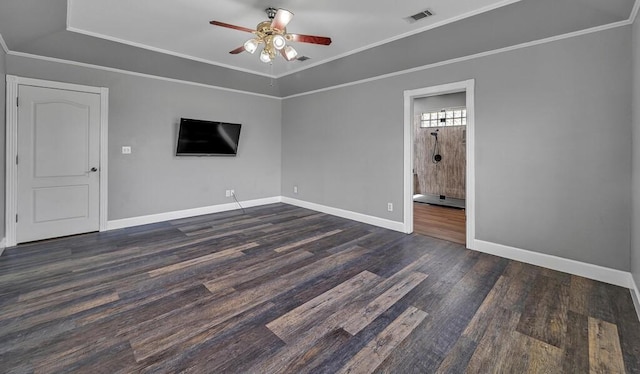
x: 16, y: 159
x: 17, y: 101
x: 16, y: 218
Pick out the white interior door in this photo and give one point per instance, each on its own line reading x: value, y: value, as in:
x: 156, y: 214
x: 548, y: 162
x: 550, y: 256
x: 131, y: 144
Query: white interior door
x: 58, y: 176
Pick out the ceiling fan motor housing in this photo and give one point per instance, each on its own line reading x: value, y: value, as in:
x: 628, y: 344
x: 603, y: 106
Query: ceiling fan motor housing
x: 273, y: 35
x: 271, y: 12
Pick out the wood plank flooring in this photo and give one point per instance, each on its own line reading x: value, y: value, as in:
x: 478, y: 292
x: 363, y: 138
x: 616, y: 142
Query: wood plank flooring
x: 440, y: 222
x: 280, y: 289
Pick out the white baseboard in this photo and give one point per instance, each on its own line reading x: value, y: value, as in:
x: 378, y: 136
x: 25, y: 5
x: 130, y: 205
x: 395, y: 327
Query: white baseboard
x: 595, y: 272
x: 635, y: 295
x: 161, y: 217
x: 3, y: 245
x: 364, y: 218
x: 583, y: 269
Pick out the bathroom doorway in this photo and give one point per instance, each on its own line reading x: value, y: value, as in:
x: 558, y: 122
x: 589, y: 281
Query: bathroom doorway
x: 438, y: 127
x: 439, y: 163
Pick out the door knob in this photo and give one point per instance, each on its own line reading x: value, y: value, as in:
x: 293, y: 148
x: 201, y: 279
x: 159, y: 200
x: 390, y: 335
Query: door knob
x: 93, y: 170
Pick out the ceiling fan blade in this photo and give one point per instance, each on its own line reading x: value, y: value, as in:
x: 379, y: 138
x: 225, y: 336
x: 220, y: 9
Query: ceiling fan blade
x: 230, y: 26
x: 309, y: 39
x: 237, y: 50
x: 282, y: 19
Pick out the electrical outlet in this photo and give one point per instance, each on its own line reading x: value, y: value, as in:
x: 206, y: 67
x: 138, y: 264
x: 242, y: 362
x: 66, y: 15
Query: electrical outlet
x: 390, y: 207
x: 227, y: 193
x: 126, y: 150
x: 295, y: 189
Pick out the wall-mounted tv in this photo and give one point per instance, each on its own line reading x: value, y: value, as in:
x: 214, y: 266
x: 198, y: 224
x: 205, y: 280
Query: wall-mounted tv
x: 207, y: 138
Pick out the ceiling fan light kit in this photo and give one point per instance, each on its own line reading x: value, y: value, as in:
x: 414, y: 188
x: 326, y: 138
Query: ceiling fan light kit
x: 273, y: 34
x: 278, y: 41
x: 265, y: 56
x: 290, y: 53
x: 251, y: 45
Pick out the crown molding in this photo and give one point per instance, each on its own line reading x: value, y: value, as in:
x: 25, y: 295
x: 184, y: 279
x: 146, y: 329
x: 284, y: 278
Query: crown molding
x: 167, y: 52
x: 471, y: 57
x: 294, y: 71
x: 404, y: 35
x: 143, y: 75
x: 634, y: 12
x: 552, y: 39
x: 4, y: 45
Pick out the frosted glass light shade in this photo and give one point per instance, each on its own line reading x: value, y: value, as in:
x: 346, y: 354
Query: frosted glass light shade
x: 279, y: 42
x: 264, y: 56
x: 290, y: 52
x: 251, y: 45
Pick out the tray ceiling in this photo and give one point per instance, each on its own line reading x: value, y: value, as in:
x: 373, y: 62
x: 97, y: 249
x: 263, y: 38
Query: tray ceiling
x: 183, y: 29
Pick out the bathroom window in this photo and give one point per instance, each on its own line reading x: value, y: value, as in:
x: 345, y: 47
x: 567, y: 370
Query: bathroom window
x: 444, y: 117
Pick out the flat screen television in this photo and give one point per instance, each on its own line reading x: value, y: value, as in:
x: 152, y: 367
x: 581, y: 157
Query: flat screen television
x: 207, y: 138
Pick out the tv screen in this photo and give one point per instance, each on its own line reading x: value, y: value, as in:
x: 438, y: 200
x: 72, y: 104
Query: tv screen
x: 207, y: 138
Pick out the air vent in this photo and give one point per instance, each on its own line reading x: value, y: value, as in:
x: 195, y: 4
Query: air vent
x: 303, y: 58
x: 418, y: 16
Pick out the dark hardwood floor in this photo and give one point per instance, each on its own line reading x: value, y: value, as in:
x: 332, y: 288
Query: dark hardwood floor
x: 440, y: 222
x: 284, y: 289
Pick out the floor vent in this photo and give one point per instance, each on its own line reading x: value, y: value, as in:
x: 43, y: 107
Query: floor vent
x: 418, y: 16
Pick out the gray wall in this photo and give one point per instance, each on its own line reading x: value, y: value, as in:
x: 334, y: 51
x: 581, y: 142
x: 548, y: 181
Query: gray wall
x: 144, y: 113
x: 635, y: 222
x: 427, y: 104
x: 553, y: 146
x: 2, y: 136
x: 520, y: 22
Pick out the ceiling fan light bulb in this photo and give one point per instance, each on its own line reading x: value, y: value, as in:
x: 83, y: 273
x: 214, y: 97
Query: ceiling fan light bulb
x: 251, y: 45
x: 278, y: 42
x: 264, y: 56
x: 290, y: 52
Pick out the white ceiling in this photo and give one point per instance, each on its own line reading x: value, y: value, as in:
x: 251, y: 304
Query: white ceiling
x: 182, y: 28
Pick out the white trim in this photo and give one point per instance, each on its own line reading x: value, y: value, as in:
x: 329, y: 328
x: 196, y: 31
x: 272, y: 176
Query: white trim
x: 167, y: 216
x: 23, y: 81
x: 289, y: 72
x: 68, y: 17
x: 104, y: 157
x: 3, y: 44
x: 634, y: 12
x: 2, y: 245
x: 13, y: 82
x: 404, y: 35
x: 168, y: 52
x: 364, y: 218
x: 11, y: 170
x: 583, y: 269
x: 468, y: 57
x: 154, y: 49
x: 143, y: 75
x: 635, y: 295
x: 408, y: 149
x: 362, y: 81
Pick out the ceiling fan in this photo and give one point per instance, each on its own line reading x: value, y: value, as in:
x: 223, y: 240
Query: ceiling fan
x: 273, y: 34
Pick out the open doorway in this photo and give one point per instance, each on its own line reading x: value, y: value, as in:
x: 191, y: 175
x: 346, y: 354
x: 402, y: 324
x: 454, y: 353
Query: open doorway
x: 439, y: 166
x: 439, y: 162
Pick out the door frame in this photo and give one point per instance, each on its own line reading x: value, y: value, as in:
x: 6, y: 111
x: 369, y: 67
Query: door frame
x: 466, y: 86
x: 11, y: 177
